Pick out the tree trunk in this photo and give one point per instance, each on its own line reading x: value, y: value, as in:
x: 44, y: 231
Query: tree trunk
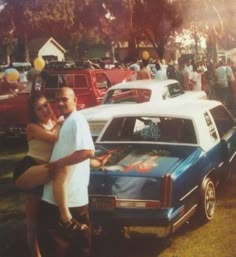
x: 161, y: 51
x: 131, y: 49
x: 27, y: 55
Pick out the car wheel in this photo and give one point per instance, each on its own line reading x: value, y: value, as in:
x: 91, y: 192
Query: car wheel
x: 207, y: 204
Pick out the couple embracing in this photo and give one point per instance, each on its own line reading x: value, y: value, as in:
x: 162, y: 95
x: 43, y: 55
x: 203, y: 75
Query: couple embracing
x: 54, y: 175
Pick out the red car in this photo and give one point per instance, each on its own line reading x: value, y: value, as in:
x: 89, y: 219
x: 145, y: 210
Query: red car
x: 90, y: 85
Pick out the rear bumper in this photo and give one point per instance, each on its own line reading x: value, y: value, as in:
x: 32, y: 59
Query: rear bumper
x: 160, y: 222
x: 135, y: 220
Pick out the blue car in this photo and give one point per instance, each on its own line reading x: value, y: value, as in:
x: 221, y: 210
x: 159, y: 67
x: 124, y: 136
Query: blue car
x: 159, y: 167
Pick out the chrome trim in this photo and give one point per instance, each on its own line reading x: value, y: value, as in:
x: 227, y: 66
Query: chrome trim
x: 105, y: 196
x: 184, y: 218
x: 125, y: 200
x: 181, y: 199
x: 220, y: 164
x: 147, y: 142
x: 232, y: 157
x: 137, y: 200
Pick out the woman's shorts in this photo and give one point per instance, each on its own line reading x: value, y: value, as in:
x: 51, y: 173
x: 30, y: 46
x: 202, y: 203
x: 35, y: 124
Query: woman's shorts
x: 21, y: 166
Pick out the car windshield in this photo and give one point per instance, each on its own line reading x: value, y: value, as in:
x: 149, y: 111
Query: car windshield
x: 127, y: 96
x: 152, y: 129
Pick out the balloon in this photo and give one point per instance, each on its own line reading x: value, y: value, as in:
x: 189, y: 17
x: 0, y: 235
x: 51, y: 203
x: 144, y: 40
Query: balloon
x: 12, y: 75
x: 145, y: 55
x: 39, y: 63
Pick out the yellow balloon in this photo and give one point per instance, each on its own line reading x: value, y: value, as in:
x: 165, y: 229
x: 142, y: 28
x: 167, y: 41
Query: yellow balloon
x: 12, y: 75
x: 39, y: 63
x: 145, y: 55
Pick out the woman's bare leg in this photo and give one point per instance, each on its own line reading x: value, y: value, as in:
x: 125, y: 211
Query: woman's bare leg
x: 31, y: 210
x: 59, y: 192
x: 38, y: 175
x: 59, y: 185
x: 34, y: 176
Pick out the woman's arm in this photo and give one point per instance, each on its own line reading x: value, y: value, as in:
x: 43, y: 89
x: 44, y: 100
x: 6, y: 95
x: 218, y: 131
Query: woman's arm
x: 37, y: 132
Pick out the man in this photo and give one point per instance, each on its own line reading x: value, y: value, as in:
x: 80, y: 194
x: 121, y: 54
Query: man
x: 73, y: 150
x: 222, y: 84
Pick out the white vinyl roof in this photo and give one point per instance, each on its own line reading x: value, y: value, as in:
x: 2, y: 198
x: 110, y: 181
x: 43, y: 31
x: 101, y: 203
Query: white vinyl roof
x: 185, y: 109
x: 145, y: 84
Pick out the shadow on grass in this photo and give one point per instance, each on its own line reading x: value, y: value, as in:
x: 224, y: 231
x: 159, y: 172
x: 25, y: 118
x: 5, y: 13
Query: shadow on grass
x: 139, y: 245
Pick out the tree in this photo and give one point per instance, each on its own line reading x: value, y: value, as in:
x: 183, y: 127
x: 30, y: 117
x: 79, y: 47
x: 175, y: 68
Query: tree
x: 31, y: 18
x: 158, y: 20
x: 205, y: 17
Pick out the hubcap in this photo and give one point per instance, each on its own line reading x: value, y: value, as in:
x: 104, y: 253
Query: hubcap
x: 210, y: 200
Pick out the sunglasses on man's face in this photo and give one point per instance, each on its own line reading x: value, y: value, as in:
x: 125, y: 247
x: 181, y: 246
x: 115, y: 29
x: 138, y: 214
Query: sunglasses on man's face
x: 42, y: 107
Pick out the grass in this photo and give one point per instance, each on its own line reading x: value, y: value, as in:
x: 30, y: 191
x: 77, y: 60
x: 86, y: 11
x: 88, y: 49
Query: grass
x: 214, y: 239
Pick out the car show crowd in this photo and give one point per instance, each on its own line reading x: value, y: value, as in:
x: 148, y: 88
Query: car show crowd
x: 217, y: 79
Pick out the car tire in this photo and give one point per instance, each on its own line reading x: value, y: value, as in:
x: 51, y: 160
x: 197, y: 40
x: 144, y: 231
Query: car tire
x: 207, y: 203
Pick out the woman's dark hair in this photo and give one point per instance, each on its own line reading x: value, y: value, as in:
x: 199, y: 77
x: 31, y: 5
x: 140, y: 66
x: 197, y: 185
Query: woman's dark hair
x: 33, y: 99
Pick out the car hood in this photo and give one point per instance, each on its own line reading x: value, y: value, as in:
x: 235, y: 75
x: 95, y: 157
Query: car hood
x: 104, y: 112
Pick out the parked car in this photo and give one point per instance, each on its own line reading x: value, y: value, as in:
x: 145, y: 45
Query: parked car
x: 160, y: 167
x: 89, y: 85
x: 119, y: 98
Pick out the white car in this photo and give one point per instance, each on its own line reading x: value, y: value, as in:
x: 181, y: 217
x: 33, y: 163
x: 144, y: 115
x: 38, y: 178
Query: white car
x: 134, y: 94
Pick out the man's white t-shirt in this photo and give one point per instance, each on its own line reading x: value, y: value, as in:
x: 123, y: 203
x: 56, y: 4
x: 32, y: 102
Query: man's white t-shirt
x: 74, y: 136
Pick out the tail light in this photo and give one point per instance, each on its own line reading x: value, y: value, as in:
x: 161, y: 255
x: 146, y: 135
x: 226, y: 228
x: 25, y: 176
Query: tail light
x: 166, y: 191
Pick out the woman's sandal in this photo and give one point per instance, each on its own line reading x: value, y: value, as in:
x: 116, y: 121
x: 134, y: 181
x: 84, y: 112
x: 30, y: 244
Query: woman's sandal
x: 69, y: 227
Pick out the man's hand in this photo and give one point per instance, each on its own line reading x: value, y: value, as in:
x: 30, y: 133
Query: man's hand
x: 53, y: 169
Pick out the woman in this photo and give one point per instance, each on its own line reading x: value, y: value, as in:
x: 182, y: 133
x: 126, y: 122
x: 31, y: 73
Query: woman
x: 31, y: 172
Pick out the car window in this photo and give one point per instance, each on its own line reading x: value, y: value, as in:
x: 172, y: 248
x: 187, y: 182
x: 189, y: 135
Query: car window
x: 153, y: 129
x: 51, y: 82
x: 127, y: 96
x: 69, y: 80
x: 102, y: 81
x: 210, y: 126
x: 223, y: 120
x: 175, y: 90
x: 81, y: 81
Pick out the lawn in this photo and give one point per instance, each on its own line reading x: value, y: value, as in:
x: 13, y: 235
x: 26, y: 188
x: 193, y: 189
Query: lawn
x: 214, y: 239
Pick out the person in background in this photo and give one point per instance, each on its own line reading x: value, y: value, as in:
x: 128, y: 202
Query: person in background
x: 136, y: 68
x: 144, y: 73
x: 160, y: 74
x: 135, y: 65
x: 231, y: 81
x: 188, y: 69
x: 222, y: 85
x: 211, y: 80
x: 171, y: 70
x: 181, y: 75
x: 72, y: 152
x: 196, y: 79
